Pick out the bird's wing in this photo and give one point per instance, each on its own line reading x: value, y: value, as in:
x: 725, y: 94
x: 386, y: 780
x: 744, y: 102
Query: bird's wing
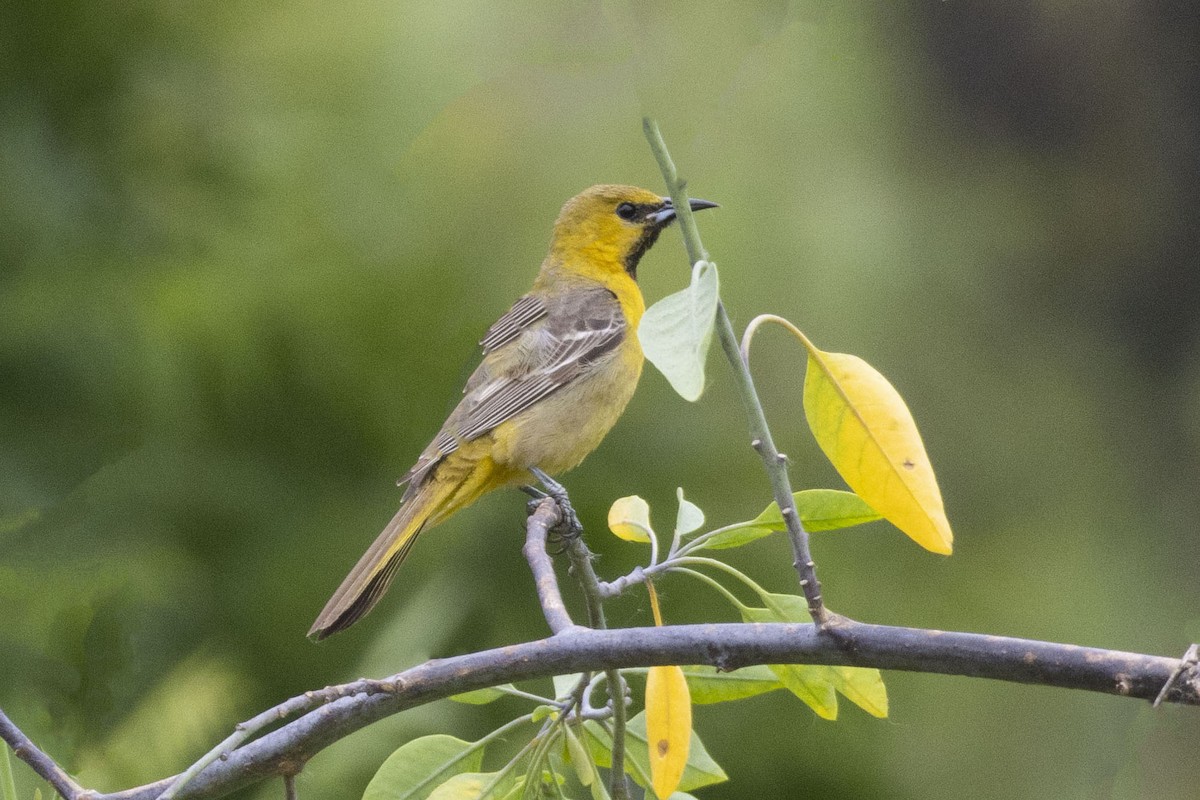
x: 526, y: 310
x: 531, y: 352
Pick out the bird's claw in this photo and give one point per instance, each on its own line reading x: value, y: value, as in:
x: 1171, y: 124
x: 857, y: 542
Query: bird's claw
x: 568, y: 526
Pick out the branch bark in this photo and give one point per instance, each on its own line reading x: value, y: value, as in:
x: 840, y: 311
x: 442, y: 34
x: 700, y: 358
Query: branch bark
x: 725, y: 646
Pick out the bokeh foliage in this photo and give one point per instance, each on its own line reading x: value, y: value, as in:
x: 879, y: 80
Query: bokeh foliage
x: 246, y: 250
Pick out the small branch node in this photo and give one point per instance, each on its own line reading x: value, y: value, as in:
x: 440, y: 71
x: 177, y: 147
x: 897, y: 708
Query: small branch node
x: 1190, y: 659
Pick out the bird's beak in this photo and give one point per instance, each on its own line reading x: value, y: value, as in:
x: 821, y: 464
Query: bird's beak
x: 667, y: 213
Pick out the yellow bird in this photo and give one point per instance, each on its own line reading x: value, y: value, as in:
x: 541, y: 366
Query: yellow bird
x: 558, y: 370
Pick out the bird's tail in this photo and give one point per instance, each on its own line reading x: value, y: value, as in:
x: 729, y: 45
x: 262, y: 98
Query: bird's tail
x: 456, y: 483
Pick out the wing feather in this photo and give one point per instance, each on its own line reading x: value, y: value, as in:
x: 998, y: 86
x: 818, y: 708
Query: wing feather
x: 556, y: 344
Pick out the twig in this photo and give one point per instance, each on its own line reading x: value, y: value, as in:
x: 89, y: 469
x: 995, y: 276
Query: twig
x: 544, y: 517
x: 41, y: 763
x: 245, y: 730
x: 1190, y: 659
x: 593, y: 592
x: 774, y: 462
x: 726, y: 646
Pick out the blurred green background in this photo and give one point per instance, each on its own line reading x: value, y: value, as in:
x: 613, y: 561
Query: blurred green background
x: 246, y: 250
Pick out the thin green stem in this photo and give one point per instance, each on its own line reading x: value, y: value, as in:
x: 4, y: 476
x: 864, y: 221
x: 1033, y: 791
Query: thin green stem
x: 513, y: 762
x: 533, y: 773
x: 774, y: 462
x: 512, y: 691
x: 700, y: 576
x: 726, y: 568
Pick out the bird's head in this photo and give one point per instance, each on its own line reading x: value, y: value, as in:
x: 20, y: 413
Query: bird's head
x: 613, y: 225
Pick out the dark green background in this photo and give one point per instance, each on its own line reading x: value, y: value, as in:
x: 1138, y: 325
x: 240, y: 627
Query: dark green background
x: 246, y: 250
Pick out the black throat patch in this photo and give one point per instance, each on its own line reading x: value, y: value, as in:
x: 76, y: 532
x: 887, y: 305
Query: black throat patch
x: 645, y: 242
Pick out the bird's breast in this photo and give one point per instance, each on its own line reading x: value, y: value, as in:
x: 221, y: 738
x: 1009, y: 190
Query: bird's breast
x: 561, y: 430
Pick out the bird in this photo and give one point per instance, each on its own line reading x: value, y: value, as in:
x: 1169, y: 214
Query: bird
x: 558, y: 369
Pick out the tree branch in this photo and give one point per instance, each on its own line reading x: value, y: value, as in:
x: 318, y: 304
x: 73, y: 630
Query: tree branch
x: 726, y: 646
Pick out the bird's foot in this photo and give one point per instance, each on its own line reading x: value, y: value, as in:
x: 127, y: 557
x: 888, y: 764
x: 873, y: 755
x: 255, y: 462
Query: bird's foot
x: 569, y: 526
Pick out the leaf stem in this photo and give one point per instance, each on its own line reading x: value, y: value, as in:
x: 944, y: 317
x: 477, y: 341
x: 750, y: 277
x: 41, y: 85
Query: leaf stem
x: 774, y: 462
x: 715, y: 584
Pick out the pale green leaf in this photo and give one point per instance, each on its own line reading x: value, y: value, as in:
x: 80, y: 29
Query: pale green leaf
x: 629, y: 518
x: 811, y: 683
x: 565, y: 684
x: 814, y: 684
x: 709, y: 685
x: 580, y: 758
x: 599, y: 790
x: 464, y: 786
x: 676, y: 331
x: 689, y: 517
x: 413, y: 771
x: 8, y: 787
x: 539, y: 713
x: 864, y: 687
x: 481, y: 697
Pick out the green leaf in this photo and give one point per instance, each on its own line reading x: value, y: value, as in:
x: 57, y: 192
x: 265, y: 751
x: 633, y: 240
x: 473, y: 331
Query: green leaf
x: 514, y: 791
x: 736, y: 536
x: 820, y: 510
x: 481, y: 697
x: 815, y: 684
x: 709, y: 685
x: 864, y: 687
x: 464, y: 786
x: 565, y: 684
x: 689, y: 518
x: 812, y: 683
x: 8, y: 787
x: 414, y: 770
x: 599, y: 790
x: 579, y: 757
x: 701, y: 769
x: 675, y: 332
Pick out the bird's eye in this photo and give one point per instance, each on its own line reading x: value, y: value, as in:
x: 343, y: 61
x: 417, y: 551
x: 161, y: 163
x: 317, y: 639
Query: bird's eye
x: 626, y: 211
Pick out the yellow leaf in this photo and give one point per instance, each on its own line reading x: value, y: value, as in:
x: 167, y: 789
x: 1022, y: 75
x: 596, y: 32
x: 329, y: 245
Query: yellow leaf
x: 868, y: 433
x: 668, y: 727
x: 629, y: 518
